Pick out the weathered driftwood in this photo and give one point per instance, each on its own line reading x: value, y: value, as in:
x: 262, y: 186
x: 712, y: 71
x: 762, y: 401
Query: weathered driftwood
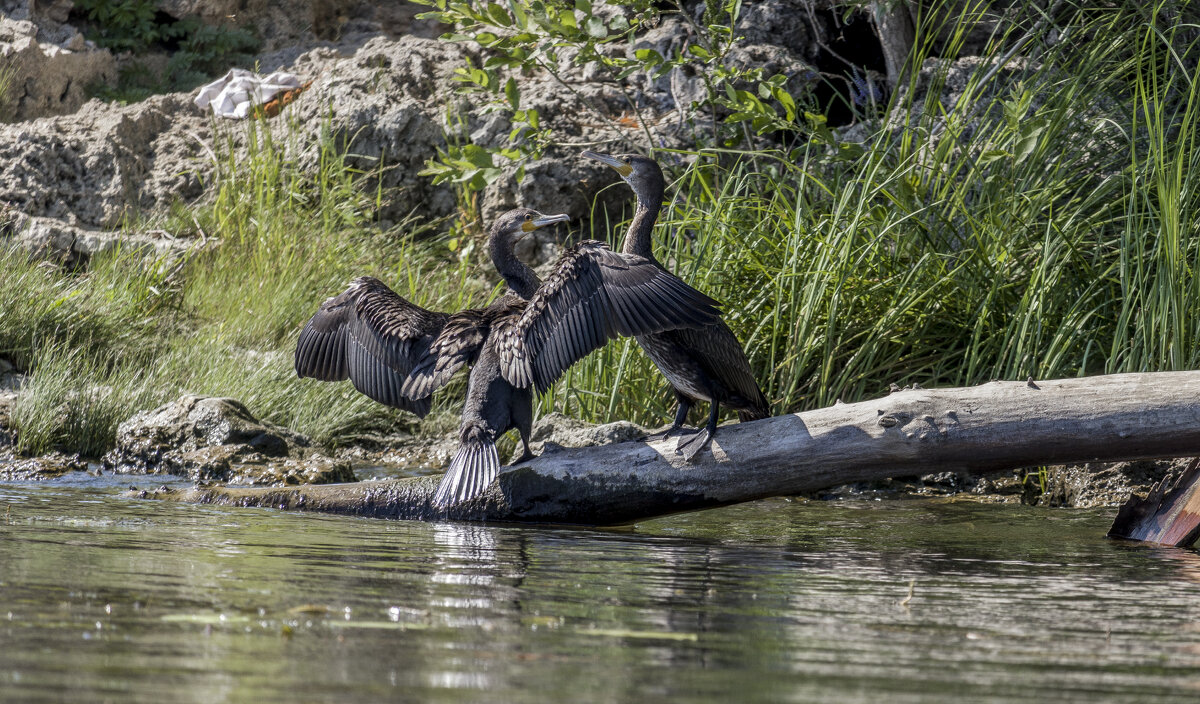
x: 995, y: 426
x: 1165, y: 516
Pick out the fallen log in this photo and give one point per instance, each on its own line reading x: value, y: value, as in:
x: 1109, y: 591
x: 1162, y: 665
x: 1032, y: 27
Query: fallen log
x: 997, y: 426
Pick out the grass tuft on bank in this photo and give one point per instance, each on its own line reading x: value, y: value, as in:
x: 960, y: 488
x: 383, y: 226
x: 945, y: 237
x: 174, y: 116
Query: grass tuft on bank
x: 133, y: 332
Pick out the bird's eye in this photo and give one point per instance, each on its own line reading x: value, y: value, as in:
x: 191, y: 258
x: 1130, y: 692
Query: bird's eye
x: 628, y: 160
x: 528, y: 216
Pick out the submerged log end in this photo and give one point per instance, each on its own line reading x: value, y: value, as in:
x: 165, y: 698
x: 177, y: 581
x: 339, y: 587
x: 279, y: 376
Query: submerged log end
x: 1166, y: 516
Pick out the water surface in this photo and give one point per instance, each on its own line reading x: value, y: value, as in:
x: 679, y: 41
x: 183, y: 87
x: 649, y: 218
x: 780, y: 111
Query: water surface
x: 106, y: 598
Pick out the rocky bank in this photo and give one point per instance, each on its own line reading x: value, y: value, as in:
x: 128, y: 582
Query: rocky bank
x: 72, y: 169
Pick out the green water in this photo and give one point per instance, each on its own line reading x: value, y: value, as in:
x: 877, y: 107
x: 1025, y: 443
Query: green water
x: 104, y: 598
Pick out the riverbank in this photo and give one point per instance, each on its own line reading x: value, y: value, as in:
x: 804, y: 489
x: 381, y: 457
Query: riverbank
x: 1003, y: 215
x: 217, y: 441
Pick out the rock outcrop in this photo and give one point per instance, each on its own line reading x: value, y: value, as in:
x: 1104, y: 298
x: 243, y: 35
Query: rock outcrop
x: 10, y: 383
x: 74, y: 246
x: 556, y: 430
x: 34, y: 469
x: 1105, y: 483
x: 384, y: 107
x: 388, y: 103
x: 285, y: 23
x: 217, y: 439
x: 105, y: 162
x: 50, y: 64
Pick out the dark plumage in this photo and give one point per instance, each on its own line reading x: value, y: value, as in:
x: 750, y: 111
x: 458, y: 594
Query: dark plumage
x: 593, y: 295
x: 702, y: 364
x: 493, y: 407
x: 399, y: 353
x: 373, y: 337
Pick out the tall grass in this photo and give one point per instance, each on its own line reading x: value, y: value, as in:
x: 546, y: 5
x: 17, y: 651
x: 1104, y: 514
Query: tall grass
x: 1043, y: 224
x: 8, y: 73
x: 134, y: 332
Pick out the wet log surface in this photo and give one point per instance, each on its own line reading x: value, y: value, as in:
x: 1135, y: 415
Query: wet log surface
x: 992, y: 427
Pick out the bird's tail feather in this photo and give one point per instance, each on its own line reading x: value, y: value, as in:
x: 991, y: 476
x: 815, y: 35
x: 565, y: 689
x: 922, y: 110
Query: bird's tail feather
x: 473, y: 468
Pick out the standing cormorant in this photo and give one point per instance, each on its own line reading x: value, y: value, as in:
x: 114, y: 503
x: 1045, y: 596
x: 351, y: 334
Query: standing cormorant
x: 702, y: 364
x: 399, y: 353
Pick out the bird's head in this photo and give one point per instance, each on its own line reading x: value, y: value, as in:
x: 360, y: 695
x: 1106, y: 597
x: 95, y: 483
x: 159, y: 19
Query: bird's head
x: 641, y: 173
x: 518, y: 223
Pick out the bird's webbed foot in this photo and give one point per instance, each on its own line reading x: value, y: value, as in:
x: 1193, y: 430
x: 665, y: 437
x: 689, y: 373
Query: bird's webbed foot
x: 692, y: 446
x: 681, y: 414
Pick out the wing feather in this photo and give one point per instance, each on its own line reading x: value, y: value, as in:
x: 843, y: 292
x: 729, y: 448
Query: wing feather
x: 371, y: 336
x: 594, y: 294
x: 458, y: 344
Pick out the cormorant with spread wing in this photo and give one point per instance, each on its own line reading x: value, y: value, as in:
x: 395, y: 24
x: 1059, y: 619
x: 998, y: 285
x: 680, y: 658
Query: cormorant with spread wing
x: 702, y: 364
x: 399, y: 353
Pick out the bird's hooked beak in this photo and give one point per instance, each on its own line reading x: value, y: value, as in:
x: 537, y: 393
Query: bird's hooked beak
x: 537, y: 223
x: 610, y: 160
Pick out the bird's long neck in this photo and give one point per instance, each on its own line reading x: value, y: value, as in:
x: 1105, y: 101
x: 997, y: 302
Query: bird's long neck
x: 519, y: 277
x: 639, y: 236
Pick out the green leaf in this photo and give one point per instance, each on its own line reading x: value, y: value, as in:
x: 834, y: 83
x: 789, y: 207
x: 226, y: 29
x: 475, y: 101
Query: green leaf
x: 478, y: 156
x: 649, y: 57
x: 850, y: 151
x: 1031, y: 132
x: 512, y: 94
x: 499, y: 15
x: 789, y: 104
x: 519, y: 14
x: 596, y: 28
x: 1025, y: 147
x: 993, y: 155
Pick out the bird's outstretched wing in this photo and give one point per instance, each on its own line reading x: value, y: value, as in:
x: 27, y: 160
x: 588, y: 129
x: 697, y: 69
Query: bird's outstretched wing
x: 371, y: 336
x: 458, y: 344
x: 593, y: 295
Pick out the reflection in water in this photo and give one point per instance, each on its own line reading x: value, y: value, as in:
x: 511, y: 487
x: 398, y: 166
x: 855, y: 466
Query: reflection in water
x: 104, y: 597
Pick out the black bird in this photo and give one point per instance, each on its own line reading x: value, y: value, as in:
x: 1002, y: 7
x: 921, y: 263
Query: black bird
x: 399, y: 353
x: 702, y: 364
